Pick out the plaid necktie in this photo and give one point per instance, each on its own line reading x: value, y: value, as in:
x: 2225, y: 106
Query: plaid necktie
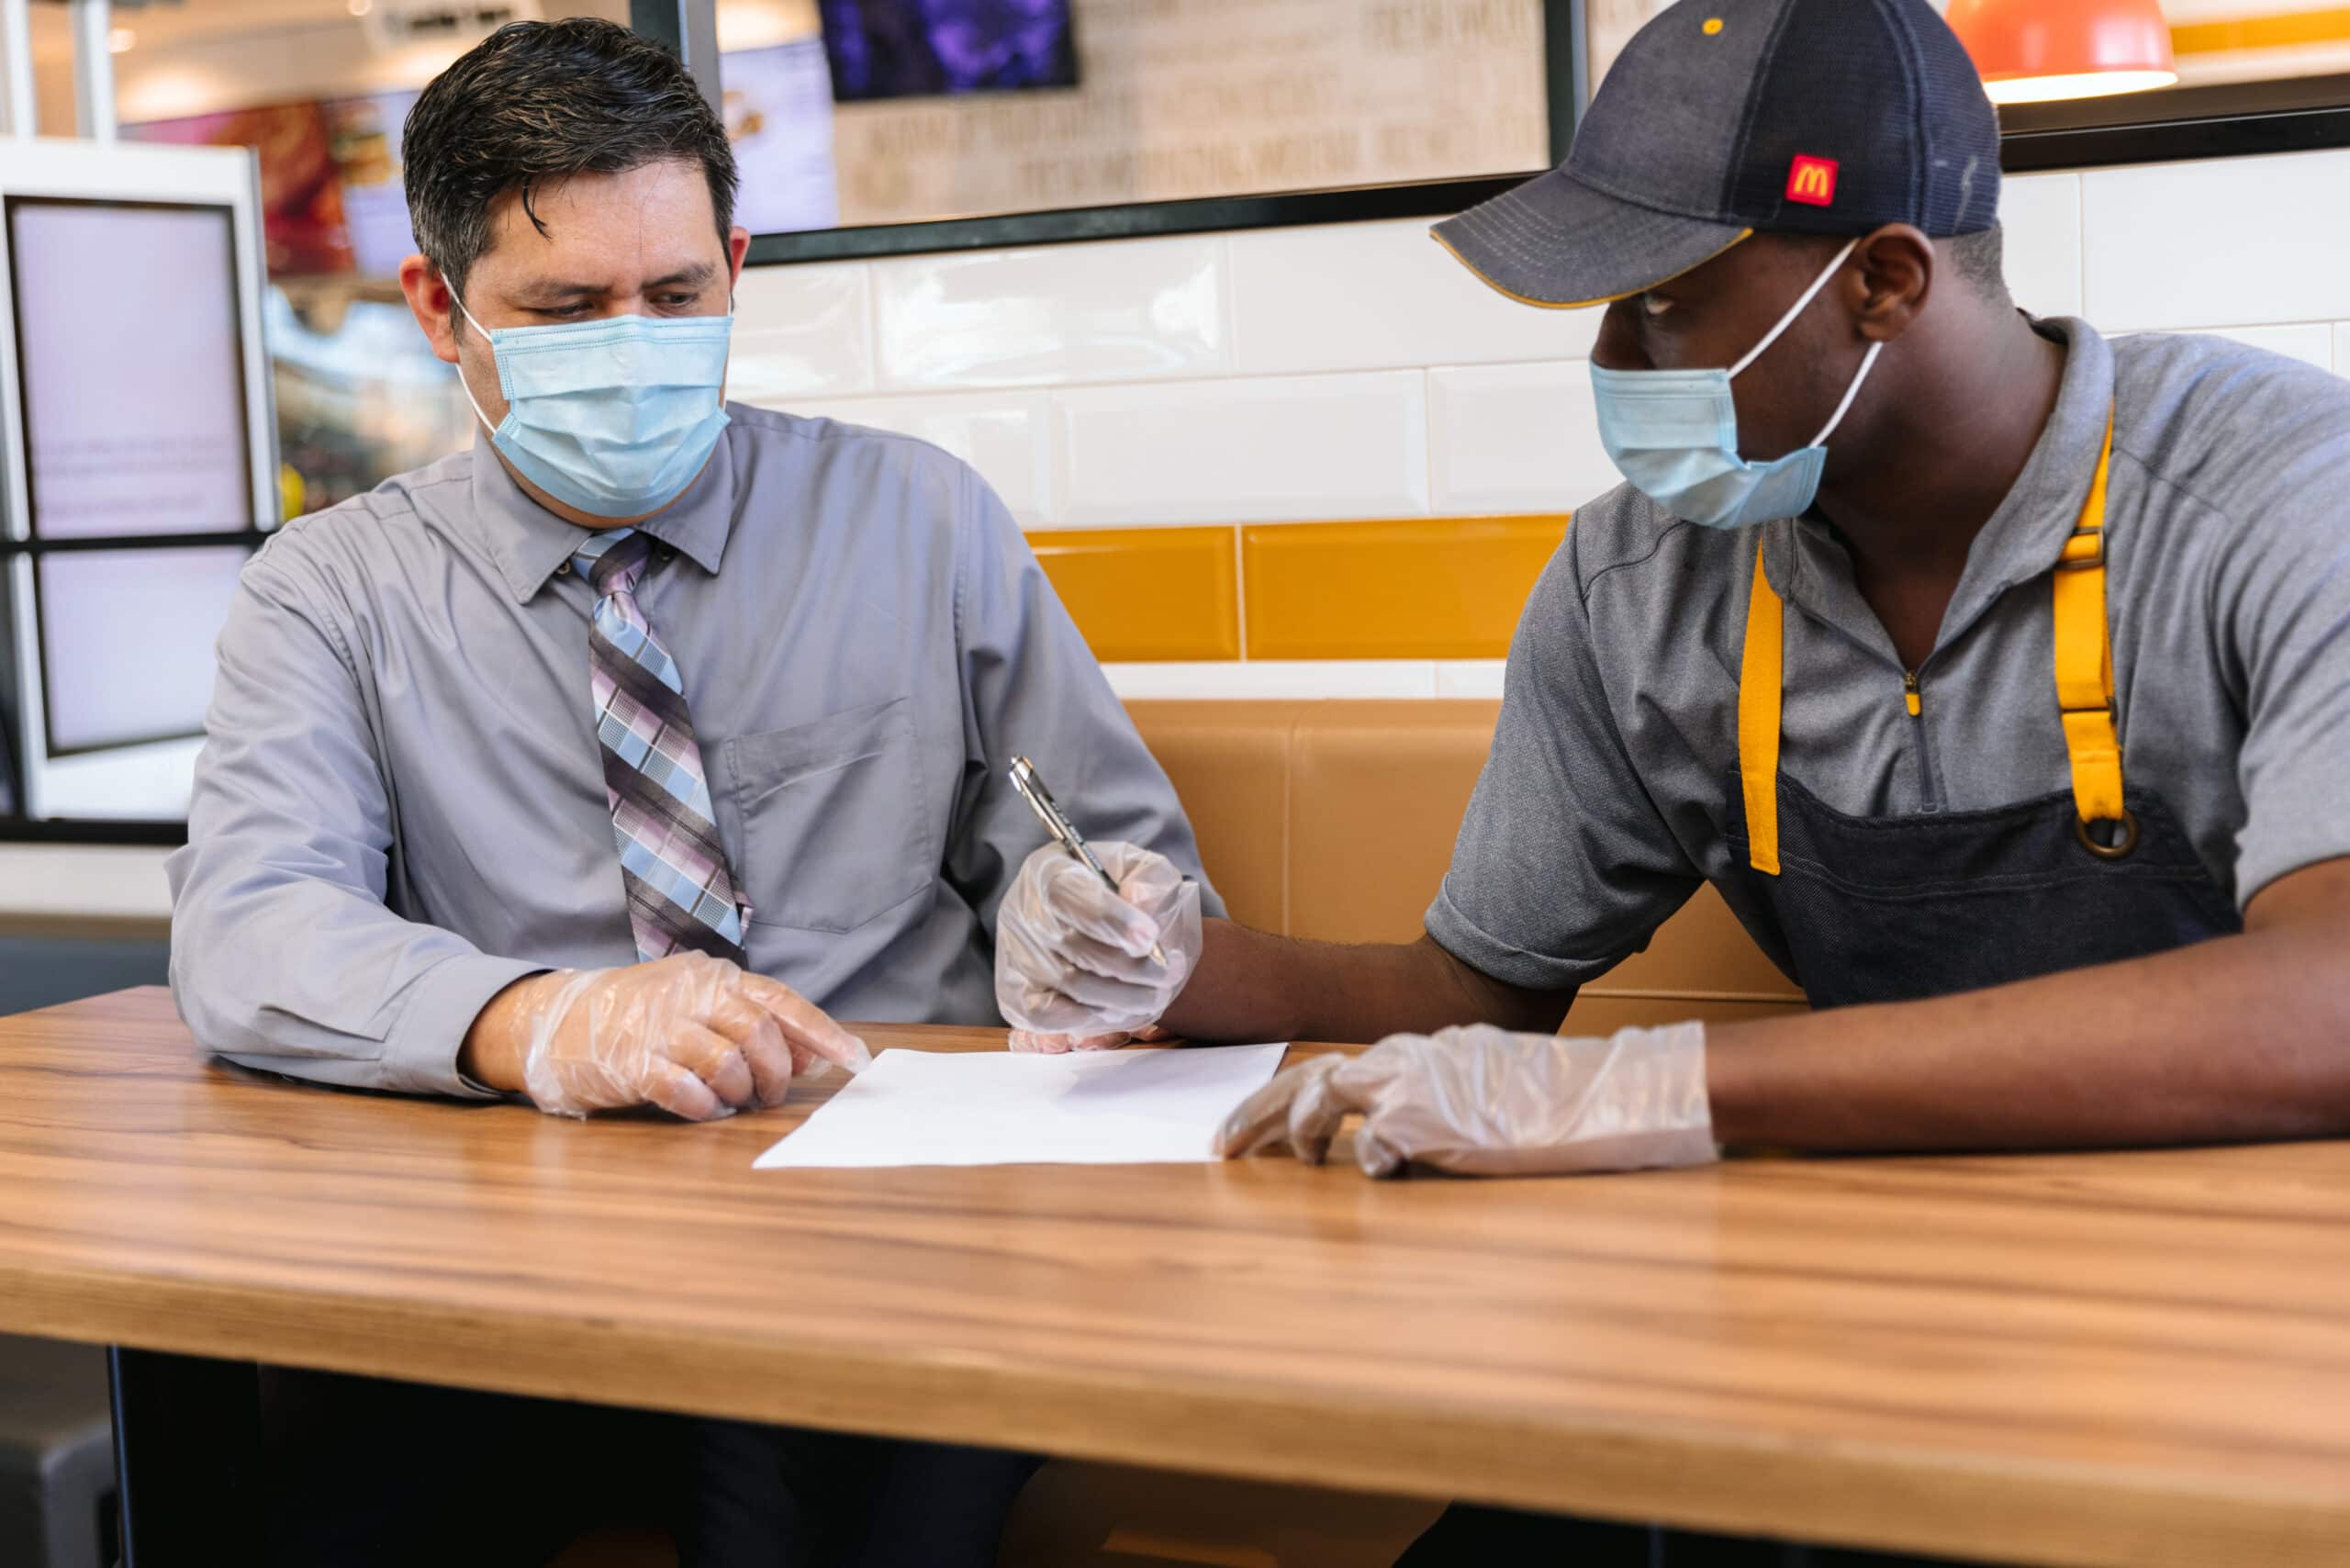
x: 679, y: 893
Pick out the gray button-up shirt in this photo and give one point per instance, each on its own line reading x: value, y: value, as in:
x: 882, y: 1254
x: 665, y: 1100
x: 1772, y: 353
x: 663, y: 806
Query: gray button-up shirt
x: 1605, y: 798
x: 400, y: 805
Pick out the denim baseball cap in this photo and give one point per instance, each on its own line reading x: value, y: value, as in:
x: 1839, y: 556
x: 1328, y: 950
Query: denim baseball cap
x: 1723, y: 118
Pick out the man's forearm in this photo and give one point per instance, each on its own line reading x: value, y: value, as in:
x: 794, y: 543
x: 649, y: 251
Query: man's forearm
x: 1255, y: 986
x: 2239, y: 1038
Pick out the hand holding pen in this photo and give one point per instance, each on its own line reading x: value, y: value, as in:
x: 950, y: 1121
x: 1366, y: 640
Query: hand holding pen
x: 1093, y: 942
x: 1031, y: 785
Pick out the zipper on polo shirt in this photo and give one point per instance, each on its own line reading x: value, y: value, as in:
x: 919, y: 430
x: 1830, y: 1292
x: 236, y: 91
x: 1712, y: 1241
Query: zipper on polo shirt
x: 1914, y: 700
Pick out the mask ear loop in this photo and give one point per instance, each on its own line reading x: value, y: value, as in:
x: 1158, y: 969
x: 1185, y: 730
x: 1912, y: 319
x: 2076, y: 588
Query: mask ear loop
x: 1789, y: 319
x: 462, y: 384
x: 1868, y: 362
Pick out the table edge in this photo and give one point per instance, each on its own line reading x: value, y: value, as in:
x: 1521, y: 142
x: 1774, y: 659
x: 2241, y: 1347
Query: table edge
x: 2054, y: 1515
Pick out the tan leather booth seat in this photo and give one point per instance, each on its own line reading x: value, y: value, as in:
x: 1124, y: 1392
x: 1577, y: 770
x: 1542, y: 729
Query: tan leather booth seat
x: 1335, y: 819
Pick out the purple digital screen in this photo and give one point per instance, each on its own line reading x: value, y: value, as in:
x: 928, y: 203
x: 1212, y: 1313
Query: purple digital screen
x: 915, y: 48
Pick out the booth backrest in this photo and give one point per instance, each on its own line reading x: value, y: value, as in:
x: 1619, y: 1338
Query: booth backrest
x: 1335, y: 819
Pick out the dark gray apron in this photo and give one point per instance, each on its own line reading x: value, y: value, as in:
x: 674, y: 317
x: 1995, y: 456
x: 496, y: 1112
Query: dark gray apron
x: 1891, y: 909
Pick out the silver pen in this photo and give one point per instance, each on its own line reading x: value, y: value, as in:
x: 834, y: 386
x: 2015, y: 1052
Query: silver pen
x: 1031, y: 785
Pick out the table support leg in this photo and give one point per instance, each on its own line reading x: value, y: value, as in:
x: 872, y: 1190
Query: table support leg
x: 187, y: 1458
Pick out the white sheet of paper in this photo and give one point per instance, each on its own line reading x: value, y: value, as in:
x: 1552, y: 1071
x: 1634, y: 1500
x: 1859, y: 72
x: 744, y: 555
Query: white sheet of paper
x: 1133, y: 1107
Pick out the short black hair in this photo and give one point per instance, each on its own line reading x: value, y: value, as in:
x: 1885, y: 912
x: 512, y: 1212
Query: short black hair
x: 1980, y: 259
x: 536, y: 102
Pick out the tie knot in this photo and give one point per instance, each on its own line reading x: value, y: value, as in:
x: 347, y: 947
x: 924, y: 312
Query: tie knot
x: 612, y: 561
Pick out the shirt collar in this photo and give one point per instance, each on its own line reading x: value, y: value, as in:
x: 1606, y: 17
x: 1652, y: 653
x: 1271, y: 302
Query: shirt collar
x: 2026, y: 535
x: 529, y: 543
x: 1810, y: 565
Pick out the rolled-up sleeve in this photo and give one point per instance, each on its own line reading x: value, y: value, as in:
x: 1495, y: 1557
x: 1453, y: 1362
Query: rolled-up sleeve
x: 2282, y: 593
x: 1031, y: 687
x: 285, y: 956
x: 1563, y: 867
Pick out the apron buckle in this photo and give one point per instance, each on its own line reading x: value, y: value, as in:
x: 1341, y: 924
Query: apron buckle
x: 2121, y: 848
x: 2077, y: 557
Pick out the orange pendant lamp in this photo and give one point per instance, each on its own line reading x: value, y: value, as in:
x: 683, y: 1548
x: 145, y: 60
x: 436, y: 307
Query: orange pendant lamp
x: 2030, y: 52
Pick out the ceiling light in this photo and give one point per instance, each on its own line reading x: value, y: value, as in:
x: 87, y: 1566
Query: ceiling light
x: 2030, y: 52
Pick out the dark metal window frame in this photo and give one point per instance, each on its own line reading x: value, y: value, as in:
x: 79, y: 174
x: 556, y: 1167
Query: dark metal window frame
x: 17, y: 827
x: 39, y: 545
x: 1563, y: 57
x: 2288, y: 116
x: 2291, y: 115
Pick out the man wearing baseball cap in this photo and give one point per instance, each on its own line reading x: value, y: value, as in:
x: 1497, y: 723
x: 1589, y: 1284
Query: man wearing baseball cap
x: 1997, y: 674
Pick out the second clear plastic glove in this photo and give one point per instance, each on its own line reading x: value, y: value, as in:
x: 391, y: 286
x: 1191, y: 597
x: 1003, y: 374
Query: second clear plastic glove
x: 1061, y: 1045
x: 696, y: 1035
x: 1072, y: 959
x: 1482, y: 1101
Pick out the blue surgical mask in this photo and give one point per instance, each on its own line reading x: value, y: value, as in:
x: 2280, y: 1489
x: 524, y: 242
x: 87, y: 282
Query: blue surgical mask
x: 614, y: 417
x: 1674, y: 434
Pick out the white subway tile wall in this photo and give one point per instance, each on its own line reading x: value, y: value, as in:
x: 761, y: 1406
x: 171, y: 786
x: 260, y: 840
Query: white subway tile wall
x: 2247, y: 240
x: 2308, y: 341
x: 1278, y: 448
x: 1273, y: 678
x: 1282, y: 376
x: 2041, y: 216
x: 1106, y: 312
x: 1353, y: 295
x: 1514, y: 438
x: 1470, y: 678
x: 1001, y: 434
x: 801, y: 332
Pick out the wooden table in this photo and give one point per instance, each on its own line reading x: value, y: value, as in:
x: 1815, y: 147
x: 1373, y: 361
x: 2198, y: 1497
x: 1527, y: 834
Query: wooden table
x: 2138, y: 1358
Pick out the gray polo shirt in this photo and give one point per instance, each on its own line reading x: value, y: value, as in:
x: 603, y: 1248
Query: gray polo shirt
x: 1608, y: 790
x: 400, y: 805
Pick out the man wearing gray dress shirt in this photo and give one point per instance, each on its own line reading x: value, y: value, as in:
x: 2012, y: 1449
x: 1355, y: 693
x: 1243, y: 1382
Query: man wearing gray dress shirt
x: 602, y: 764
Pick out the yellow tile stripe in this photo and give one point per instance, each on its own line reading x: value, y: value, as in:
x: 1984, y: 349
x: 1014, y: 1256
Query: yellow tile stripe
x: 1426, y: 588
x: 2289, y: 29
x: 1148, y: 594
x: 1417, y: 589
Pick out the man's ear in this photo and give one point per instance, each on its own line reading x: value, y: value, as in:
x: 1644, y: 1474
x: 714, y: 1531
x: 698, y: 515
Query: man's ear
x: 738, y: 244
x: 1894, y: 274
x: 430, y: 301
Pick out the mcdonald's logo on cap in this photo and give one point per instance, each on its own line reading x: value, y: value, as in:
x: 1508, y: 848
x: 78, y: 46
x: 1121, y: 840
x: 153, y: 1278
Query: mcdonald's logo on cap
x: 1812, y: 181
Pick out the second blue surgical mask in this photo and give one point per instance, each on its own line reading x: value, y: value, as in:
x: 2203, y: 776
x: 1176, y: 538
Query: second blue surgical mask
x: 1674, y: 434
x: 612, y: 417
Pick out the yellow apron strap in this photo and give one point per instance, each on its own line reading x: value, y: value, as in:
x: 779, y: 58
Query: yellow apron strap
x: 2084, y: 683
x: 2084, y: 657
x: 1759, y: 678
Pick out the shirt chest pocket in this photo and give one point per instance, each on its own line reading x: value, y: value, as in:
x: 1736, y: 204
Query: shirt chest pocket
x: 833, y: 830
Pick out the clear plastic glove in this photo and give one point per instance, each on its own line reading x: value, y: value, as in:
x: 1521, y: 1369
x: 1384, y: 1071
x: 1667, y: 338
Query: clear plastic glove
x: 1072, y: 960
x: 1059, y: 1045
x: 1482, y: 1101
x: 696, y: 1035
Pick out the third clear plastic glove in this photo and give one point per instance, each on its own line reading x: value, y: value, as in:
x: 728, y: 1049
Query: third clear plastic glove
x: 1482, y: 1101
x: 1073, y: 959
x: 696, y: 1035
x: 1059, y: 1044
